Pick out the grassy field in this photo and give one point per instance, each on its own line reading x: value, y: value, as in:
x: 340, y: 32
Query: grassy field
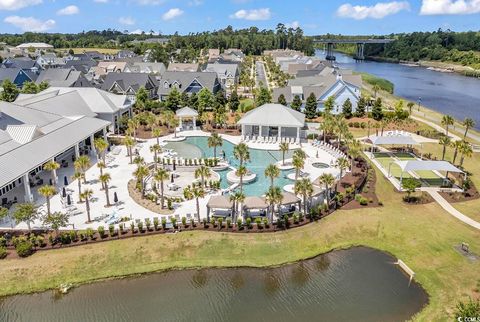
x: 81, y: 50
x: 384, y: 84
x: 406, y: 232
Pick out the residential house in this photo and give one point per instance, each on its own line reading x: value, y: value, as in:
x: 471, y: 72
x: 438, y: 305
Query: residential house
x: 125, y: 54
x: 187, y: 82
x: 213, y: 54
x: 36, y: 47
x: 228, y: 74
x: 341, y: 87
x: 81, y: 65
x: 63, y: 77
x: 25, y: 63
x: 17, y: 76
x: 129, y: 83
x: 143, y: 67
x: 50, y: 60
x: 183, y: 67
x: 103, y: 68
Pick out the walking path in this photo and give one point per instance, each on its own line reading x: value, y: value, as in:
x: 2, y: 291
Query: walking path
x: 450, y: 209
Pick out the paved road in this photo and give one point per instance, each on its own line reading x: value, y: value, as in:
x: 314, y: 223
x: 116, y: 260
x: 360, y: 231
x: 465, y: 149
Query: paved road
x: 260, y: 70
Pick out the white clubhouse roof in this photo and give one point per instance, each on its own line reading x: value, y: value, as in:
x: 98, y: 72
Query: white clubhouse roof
x: 393, y: 140
x: 273, y: 115
x: 418, y: 165
x: 40, y: 45
x: 186, y: 112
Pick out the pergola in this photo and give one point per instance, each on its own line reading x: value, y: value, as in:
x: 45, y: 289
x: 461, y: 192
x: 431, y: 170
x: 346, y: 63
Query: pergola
x: 186, y: 113
x: 222, y: 205
x: 419, y: 165
x: 290, y: 199
x: 273, y: 120
x: 254, y: 203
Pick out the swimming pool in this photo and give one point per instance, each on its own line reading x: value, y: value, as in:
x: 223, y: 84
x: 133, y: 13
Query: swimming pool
x: 197, y: 147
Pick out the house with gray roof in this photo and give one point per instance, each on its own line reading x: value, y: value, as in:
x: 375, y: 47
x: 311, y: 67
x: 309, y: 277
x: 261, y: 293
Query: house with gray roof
x: 341, y: 87
x: 187, y: 82
x: 228, y: 74
x: 183, y: 67
x: 62, y: 77
x: 50, y: 60
x: 145, y: 67
x: 129, y: 83
x: 25, y: 63
x: 17, y: 76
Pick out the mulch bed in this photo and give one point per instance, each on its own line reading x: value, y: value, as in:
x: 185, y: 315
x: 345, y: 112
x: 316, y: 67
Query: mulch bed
x: 144, y: 202
x: 453, y: 197
x: 143, y: 132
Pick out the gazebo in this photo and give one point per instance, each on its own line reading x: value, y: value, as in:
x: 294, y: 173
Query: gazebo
x: 396, y: 139
x: 273, y: 120
x: 289, y: 201
x: 222, y: 206
x: 419, y: 165
x: 189, y: 114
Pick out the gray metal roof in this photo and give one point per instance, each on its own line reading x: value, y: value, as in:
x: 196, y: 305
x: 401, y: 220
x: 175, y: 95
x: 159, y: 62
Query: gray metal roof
x: 273, y: 115
x: 27, y: 157
x: 223, y: 69
x: 126, y: 80
x: 208, y: 80
x: 62, y: 77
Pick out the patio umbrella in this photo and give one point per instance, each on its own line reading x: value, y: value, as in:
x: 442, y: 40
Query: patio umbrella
x: 171, y: 178
x: 115, y: 197
x: 51, y: 182
x: 64, y: 192
x: 69, y: 200
x: 174, y: 166
x: 65, y: 181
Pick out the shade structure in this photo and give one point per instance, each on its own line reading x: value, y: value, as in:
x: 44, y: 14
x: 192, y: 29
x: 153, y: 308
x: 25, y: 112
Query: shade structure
x: 220, y: 202
x: 115, y: 197
x: 254, y: 203
x: 186, y: 112
x: 65, y: 181
x: 393, y: 140
x: 273, y: 115
x: 289, y: 198
x: 418, y: 165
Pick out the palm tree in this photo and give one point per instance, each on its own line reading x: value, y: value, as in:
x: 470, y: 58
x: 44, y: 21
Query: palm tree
x: 376, y: 88
x: 133, y: 124
x: 468, y: 123
x: 101, y: 165
x: 241, y: 172
x: 129, y: 143
x: 466, y: 150
x: 101, y: 147
x: 326, y: 126
x: 155, y: 149
x: 273, y: 196
x: 214, y: 141
x: 384, y: 123
x: 140, y: 174
x: 160, y: 176
x: 447, y: 120
x: 194, y: 192
x: 284, y: 147
x: 298, y: 164
x: 157, y: 132
x: 241, y: 153
x: 47, y: 191
x: 105, y: 179
x: 456, y: 145
x: 354, y: 151
x: 202, y: 172
x: 343, y: 164
x: 304, y: 187
x: 300, y: 154
x: 82, y: 164
x: 237, y: 198
x: 53, y: 167
x: 26, y: 212
x: 342, y: 129
x: 79, y: 177
x: 87, y: 194
x: 444, y: 140
x: 272, y: 172
x: 328, y: 180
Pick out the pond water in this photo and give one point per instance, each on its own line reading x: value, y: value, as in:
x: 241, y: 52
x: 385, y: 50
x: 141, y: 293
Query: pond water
x: 197, y: 147
x: 359, y: 284
x: 447, y: 93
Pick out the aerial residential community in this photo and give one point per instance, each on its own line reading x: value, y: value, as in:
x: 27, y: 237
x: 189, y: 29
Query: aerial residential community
x: 258, y: 170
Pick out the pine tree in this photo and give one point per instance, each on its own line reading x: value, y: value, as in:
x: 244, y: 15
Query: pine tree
x: 234, y: 102
x: 282, y: 100
x: 311, y: 106
x: 296, y: 103
x: 361, y: 105
x: 30, y: 88
x: 10, y: 91
x: 263, y: 96
x: 347, y: 109
x: 193, y: 101
x: 173, y: 100
x: 377, y: 112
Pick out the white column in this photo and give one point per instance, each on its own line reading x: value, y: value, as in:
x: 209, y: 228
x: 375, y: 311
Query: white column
x: 104, y: 131
x: 279, y: 133
x: 243, y: 129
x: 260, y: 130
x: 180, y: 122
x: 298, y: 134
x: 194, y: 123
x: 26, y: 185
x: 77, y: 151
x: 92, y: 140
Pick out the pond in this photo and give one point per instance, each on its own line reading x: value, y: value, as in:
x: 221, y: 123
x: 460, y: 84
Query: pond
x: 358, y: 284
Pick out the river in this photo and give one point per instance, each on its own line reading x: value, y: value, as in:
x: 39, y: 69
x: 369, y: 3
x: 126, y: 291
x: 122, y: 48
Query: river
x: 447, y: 93
x: 358, y: 284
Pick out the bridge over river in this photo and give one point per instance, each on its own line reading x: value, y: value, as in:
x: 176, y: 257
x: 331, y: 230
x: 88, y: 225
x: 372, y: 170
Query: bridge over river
x: 329, y: 43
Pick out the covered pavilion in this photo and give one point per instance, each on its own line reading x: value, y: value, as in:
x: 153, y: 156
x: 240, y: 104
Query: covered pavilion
x: 428, y: 165
x: 221, y: 206
x: 396, y: 139
x: 254, y: 206
x: 185, y: 114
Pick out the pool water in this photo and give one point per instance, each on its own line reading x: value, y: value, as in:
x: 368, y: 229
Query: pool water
x: 197, y: 147
x: 320, y: 165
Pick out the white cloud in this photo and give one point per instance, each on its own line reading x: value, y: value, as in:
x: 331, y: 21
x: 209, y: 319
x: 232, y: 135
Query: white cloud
x: 377, y: 11
x: 195, y: 3
x: 30, y: 23
x: 68, y: 11
x: 172, y: 13
x: 294, y: 24
x: 253, y: 14
x: 17, y: 4
x: 129, y: 21
x: 100, y: 1
x: 150, y: 2
x: 450, y: 7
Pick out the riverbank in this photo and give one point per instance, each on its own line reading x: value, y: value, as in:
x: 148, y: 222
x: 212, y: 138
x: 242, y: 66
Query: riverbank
x: 406, y: 234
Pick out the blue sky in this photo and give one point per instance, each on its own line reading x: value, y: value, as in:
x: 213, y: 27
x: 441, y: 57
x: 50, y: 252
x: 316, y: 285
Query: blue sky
x: 184, y: 16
